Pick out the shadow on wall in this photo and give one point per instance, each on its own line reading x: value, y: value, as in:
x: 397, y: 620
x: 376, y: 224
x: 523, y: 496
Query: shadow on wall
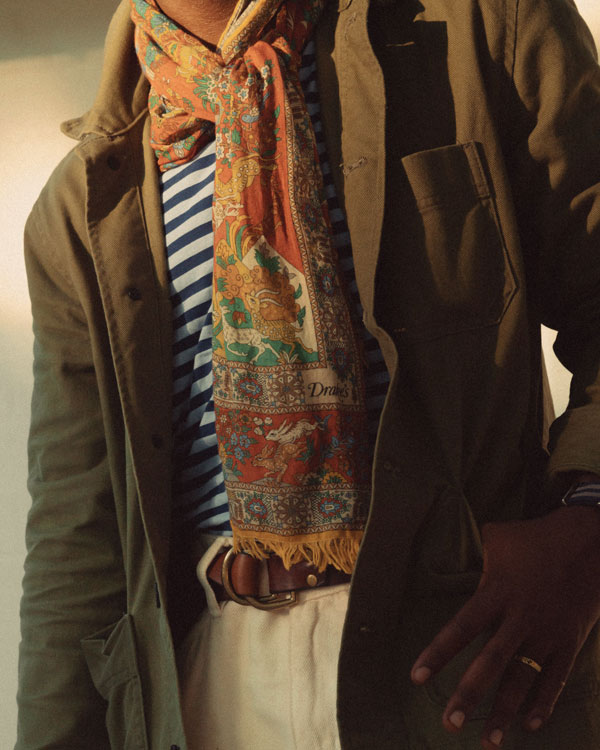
x: 60, y: 26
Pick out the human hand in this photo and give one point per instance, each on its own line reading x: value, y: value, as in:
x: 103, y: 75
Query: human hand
x: 539, y: 596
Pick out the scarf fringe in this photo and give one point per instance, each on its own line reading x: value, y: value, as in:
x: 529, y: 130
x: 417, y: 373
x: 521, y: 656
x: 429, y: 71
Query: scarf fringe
x: 341, y: 552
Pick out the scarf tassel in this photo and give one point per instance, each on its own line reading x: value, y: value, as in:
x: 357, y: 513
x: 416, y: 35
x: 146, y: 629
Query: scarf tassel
x: 319, y: 550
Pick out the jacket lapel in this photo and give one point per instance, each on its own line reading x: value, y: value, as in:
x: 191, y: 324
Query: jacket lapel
x: 352, y: 98
x: 329, y: 98
x: 127, y: 244
x: 126, y: 238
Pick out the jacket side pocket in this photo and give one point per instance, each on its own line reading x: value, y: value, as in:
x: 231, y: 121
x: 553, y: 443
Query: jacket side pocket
x: 111, y: 658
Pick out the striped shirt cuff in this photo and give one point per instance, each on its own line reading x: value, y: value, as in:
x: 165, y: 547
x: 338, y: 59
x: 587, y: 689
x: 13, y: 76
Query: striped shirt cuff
x: 583, y: 493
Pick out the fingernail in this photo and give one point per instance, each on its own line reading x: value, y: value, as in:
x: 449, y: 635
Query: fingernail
x: 457, y: 719
x: 421, y: 675
x: 496, y: 737
x: 535, y: 724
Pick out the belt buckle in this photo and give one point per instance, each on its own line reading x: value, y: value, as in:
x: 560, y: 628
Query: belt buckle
x: 268, y: 602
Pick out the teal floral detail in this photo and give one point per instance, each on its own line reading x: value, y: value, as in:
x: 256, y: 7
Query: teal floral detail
x: 256, y: 509
x: 152, y: 52
x: 327, y: 281
x: 159, y: 23
x: 250, y: 387
x: 340, y: 362
x: 331, y: 507
x: 141, y: 7
x: 235, y: 449
x: 206, y: 92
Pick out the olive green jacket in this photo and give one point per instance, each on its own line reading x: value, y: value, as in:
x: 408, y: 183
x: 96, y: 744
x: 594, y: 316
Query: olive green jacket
x: 467, y: 134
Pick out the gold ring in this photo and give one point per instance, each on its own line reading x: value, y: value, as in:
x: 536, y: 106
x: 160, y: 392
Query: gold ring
x: 529, y: 662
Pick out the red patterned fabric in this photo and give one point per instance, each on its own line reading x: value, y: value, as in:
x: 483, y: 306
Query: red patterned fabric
x: 288, y: 375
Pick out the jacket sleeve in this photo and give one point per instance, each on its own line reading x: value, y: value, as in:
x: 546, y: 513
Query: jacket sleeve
x: 554, y: 159
x: 74, y: 583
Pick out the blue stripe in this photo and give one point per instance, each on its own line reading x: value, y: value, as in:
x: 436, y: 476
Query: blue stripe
x: 198, y: 457
x: 195, y: 313
x: 193, y: 235
x: 197, y: 286
x: 186, y: 194
x: 204, y: 204
x: 205, y: 160
x: 189, y: 264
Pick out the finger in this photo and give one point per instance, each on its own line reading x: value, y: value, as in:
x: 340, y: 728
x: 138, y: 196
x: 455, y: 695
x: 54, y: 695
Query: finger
x: 484, y: 671
x: 477, y: 614
x: 516, y: 683
x: 551, y: 685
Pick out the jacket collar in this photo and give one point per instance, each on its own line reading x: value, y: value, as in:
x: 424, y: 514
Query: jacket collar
x: 122, y: 97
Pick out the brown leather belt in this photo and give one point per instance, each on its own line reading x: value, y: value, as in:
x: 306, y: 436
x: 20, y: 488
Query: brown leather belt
x: 238, y: 577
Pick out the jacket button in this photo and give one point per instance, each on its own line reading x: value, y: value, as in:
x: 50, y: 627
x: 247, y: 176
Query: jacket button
x: 113, y: 162
x: 157, y: 441
x: 134, y: 293
x: 175, y: 747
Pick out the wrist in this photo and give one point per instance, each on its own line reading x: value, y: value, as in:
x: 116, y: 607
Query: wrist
x: 583, y: 492
x: 577, y: 528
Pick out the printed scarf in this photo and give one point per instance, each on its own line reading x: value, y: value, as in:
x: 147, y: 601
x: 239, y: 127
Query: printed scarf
x: 288, y: 389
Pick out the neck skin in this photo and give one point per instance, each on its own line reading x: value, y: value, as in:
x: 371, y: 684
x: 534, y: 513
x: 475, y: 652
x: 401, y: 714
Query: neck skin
x: 204, y: 19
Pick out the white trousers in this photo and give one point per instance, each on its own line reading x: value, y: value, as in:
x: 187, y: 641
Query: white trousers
x: 256, y: 680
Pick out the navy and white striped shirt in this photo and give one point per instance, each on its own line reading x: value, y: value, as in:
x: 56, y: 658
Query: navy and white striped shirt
x: 200, y: 501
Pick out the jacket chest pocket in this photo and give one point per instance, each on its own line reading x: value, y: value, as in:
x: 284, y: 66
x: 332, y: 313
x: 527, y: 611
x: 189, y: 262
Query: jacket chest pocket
x: 445, y: 269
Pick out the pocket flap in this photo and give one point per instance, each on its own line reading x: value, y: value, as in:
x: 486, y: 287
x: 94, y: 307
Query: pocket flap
x: 447, y: 174
x: 110, y: 655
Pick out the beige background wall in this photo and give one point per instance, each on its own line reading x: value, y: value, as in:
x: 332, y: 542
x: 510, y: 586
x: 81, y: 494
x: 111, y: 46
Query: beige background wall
x: 49, y: 66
